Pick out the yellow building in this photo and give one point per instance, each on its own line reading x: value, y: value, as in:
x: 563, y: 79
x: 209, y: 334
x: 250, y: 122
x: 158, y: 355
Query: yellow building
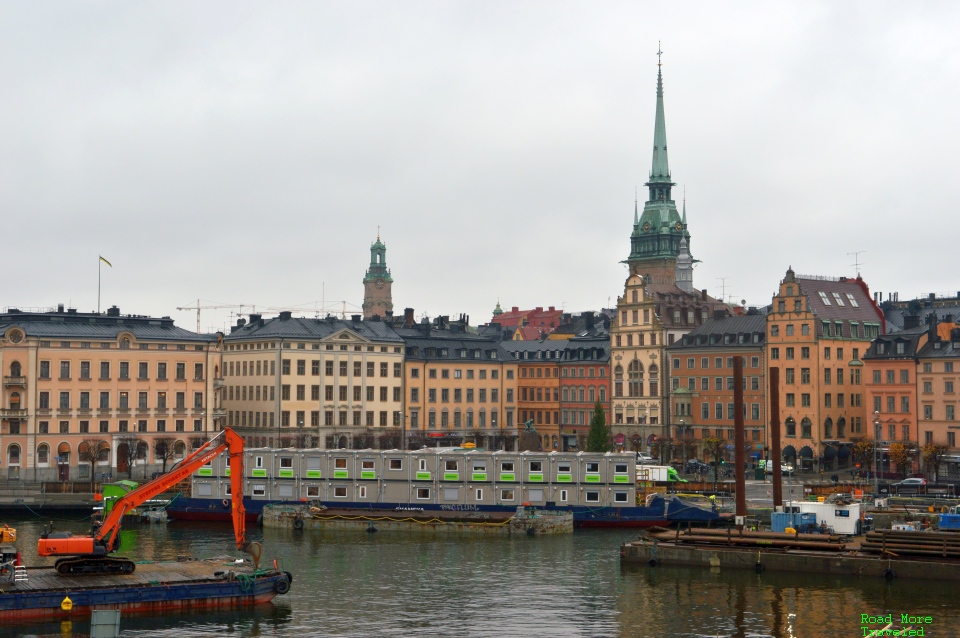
x: 90, y: 393
x: 817, y: 330
x: 328, y: 383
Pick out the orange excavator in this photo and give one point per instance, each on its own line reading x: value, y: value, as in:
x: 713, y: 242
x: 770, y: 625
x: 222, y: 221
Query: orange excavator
x: 91, y: 554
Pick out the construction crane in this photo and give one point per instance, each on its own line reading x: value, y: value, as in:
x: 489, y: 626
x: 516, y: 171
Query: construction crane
x: 324, y: 309
x: 91, y: 554
x: 214, y: 306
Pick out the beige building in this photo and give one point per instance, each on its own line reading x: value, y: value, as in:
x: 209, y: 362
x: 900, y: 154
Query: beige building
x: 88, y: 393
x: 328, y: 383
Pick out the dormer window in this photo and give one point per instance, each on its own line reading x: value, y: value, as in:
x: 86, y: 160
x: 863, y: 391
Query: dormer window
x: 824, y: 298
x: 836, y: 297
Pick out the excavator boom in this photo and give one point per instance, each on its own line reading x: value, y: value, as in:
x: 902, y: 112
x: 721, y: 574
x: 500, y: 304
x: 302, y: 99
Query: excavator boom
x: 105, y: 538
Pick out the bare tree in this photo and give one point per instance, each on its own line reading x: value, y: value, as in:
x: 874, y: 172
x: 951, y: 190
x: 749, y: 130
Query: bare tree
x: 901, y: 458
x: 127, y: 452
x: 933, y: 454
x: 197, y: 441
x: 89, y: 451
x: 164, y: 449
x: 389, y: 440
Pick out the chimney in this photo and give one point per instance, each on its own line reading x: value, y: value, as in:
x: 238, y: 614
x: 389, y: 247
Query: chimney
x: 514, y: 309
x: 588, y: 319
x: 703, y: 294
x: 911, y: 321
x: 286, y: 314
x: 955, y: 336
x: 948, y: 318
x: 552, y: 309
x: 355, y: 318
x: 408, y: 317
x: 425, y: 326
x: 388, y: 314
x: 59, y: 307
x: 718, y: 314
x: 255, y: 319
x: 752, y: 311
x: 113, y: 311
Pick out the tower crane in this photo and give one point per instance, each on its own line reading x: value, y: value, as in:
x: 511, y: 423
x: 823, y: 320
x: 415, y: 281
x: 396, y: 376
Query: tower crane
x: 214, y: 306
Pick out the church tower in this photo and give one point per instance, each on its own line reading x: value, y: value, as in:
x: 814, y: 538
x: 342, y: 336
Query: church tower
x: 655, y: 242
x: 377, y: 283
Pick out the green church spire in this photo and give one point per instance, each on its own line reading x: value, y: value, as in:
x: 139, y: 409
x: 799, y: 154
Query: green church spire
x: 660, y: 169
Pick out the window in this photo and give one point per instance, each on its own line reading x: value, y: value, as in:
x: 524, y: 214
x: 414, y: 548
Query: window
x: 774, y: 353
x: 593, y: 497
x: 950, y: 412
x: 928, y: 412
x: 774, y: 330
x: 506, y: 495
x: 620, y: 497
x: 790, y: 353
x: 804, y: 375
x: 805, y: 352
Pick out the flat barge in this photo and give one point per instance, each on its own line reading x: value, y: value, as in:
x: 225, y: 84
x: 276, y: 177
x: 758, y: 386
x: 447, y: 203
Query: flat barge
x: 153, y: 587
x: 879, y: 555
x: 524, y: 521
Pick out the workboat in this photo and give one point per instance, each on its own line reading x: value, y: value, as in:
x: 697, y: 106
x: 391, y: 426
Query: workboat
x: 598, y: 488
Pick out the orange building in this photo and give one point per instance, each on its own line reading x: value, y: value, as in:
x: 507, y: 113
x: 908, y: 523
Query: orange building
x: 817, y: 329
x: 938, y: 382
x: 701, y: 377
x: 90, y: 396
x: 538, y: 385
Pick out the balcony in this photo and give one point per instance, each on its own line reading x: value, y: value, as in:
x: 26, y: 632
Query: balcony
x: 15, y: 382
x: 12, y: 413
x: 219, y: 413
x: 219, y: 382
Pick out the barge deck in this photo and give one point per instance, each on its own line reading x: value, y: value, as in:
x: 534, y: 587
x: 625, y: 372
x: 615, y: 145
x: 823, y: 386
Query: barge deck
x: 153, y: 587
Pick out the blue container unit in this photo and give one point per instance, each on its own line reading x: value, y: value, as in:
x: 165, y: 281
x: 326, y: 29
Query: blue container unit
x: 780, y: 521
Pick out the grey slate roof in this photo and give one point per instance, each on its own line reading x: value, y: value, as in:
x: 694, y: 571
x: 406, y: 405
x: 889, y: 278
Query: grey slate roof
x: 727, y: 332
x: 288, y: 327
x: 562, y: 350
x: 93, y: 326
x: 910, y: 339
x: 862, y: 311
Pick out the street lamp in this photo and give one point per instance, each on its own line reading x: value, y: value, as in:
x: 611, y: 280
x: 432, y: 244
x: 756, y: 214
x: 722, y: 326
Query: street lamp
x: 681, y: 433
x: 876, y: 446
x: 643, y: 429
x: 300, y: 437
x: 493, y: 422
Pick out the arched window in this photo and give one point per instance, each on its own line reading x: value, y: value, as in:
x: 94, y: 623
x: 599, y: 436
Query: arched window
x: 482, y: 415
x: 179, y: 450
x: 142, y: 450
x: 806, y: 428
x: 125, y: 344
x: 618, y: 381
x: 43, y: 454
x: 15, y: 401
x: 13, y: 454
x: 103, y: 454
x: 15, y: 370
x: 654, y: 381
x: 591, y: 394
x: 791, y: 426
x: 63, y: 454
x: 828, y: 428
x: 635, y: 378
x: 841, y: 427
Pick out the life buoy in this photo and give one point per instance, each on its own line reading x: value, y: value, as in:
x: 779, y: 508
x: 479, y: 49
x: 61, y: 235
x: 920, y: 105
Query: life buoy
x: 889, y: 575
x: 282, y: 585
x: 653, y: 562
x: 225, y: 503
x: 298, y: 523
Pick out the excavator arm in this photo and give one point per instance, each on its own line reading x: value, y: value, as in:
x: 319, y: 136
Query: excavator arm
x: 105, y: 538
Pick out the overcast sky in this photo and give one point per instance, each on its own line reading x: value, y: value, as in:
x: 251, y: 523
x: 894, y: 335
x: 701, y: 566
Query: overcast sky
x: 245, y: 153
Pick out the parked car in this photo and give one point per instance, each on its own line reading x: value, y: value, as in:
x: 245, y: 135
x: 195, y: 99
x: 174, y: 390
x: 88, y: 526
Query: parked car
x: 910, y: 486
x: 645, y: 459
x: 696, y: 466
x: 786, y: 469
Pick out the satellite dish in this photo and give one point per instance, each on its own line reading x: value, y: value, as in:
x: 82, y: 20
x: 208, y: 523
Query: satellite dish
x: 743, y: 302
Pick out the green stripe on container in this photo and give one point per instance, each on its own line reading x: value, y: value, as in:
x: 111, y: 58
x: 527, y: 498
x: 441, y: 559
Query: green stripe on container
x: 341, y: 474
x: 508, y: 477
x: 423, y: 476
x: 591, y: 478
x: 478, y: 477
x: 621, y: 479
x: 286, y: 473
x: 451, y: 476
x: 259, y: 473
x: 564, y: 478
x: 227, y: 472
x: 535, y: 478
x: 313, y: 473
x: 205, y: 471
x: 368, y: 475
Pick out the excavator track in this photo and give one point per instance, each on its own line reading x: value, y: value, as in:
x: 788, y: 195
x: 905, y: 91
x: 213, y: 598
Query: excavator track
x: 101, y: 565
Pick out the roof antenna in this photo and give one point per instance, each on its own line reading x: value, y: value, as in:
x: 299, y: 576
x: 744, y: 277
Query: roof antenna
x: 856, y: 260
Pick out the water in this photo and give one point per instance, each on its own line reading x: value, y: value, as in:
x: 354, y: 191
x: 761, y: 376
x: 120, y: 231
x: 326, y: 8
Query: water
x: 359, y: 584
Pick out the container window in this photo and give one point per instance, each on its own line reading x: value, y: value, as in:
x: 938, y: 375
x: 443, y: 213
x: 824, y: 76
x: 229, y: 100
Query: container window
x: 313, y: 491
x: 506, y: 495
x: 423, y: 493
x: 620, y: 497
x: 536, y: 466
x: 363, y: 491
x: 593, y: 497
x: 204, y: 489
x: 259, y: 462
x: 563, y: 496
x: 563, y: 468
x: 423, y: 465
x: 451, y: 466
x: 285, y: 491
x: 396, y: 464
x: 479, y: 494
x: 535, y: 495
x: 340, y: 463
x: 340, y: 492
x: 620, y: 468
x: 506, y: 466
x: 286, y: 462
x: 451, y: 494
x: 259, y: 490
x: 313, y: 462
x: 593, y: 467
x: 479, y: 466
x: 366, y: 464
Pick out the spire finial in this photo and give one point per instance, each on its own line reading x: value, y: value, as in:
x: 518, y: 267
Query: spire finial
x: 378, y: 232
x: 659, y: 53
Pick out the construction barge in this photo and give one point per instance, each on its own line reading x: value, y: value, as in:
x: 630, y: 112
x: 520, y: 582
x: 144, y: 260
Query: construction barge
x: 526, y: 520
x: 42, y: 593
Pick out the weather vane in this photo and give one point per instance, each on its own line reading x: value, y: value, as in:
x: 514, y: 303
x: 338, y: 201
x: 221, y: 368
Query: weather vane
x: 659, y: 53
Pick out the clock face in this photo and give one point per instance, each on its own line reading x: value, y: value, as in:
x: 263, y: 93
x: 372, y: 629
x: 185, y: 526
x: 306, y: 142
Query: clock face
x: 16, y: 336
x: 646, y: 226
x: 379, y: 284
x: 679, y: 226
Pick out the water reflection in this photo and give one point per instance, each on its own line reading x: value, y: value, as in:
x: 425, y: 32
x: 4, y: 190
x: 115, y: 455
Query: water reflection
x: 359, y: 584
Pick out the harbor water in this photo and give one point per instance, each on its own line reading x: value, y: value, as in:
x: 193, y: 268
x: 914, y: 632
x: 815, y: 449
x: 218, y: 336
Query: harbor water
x: 400, y: 584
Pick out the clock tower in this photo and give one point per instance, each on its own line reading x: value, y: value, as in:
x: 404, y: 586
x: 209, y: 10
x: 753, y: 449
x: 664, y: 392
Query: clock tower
x: 377, y: 295
x: 658, y: 231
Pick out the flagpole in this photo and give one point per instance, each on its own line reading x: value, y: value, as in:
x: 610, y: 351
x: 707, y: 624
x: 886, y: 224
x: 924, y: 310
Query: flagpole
x: 99, y: 267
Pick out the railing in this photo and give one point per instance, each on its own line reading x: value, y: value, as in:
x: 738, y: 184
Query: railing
x: 219, y: 382
x: 15, y: 381
x: 11, y: 413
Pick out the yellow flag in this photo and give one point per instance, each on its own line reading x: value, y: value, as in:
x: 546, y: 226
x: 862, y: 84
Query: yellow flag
x: 106, y: 262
